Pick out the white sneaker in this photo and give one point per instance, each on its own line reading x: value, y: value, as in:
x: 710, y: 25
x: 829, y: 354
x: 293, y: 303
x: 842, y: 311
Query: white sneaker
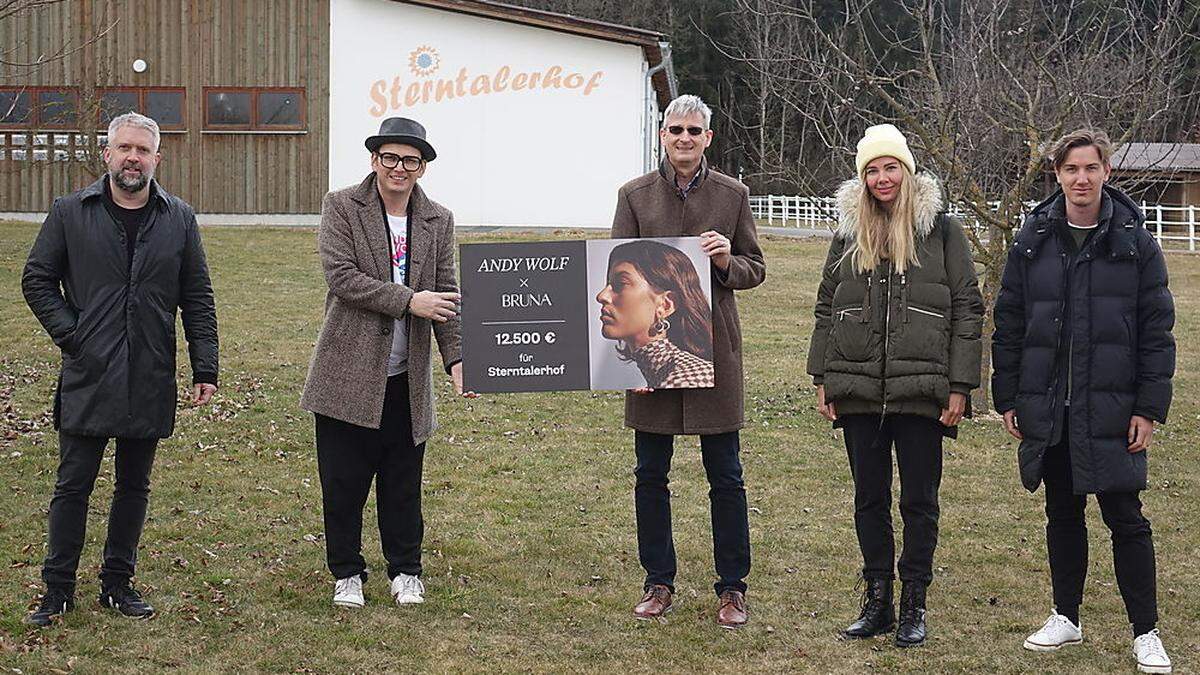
x: 348, y: 592
x: 1150, y: 654
x: 407, y: 590
x: 1057, y: 632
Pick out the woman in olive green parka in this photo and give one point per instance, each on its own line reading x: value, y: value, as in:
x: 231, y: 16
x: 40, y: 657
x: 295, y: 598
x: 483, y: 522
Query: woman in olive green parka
x: 895, y: 354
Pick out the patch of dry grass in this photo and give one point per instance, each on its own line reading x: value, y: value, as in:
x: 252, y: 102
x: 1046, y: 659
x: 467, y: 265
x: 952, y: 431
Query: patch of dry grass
x: 530, y: 550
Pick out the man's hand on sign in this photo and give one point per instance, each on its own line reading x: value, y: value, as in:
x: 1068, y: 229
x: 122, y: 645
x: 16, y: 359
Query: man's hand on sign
x: 456, y: 375
x: 435, y: 306
x: 716, y: 247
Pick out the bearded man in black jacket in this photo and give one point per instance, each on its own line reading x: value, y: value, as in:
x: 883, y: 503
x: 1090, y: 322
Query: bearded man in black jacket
x: 110, y: 267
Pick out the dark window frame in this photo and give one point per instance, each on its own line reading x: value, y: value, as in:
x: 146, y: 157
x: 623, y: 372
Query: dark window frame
x: 254, y: 126
x: 141, y: 104
x: 70, y: 91
x: 28, y: 123
x: 101, y: 123
x: 183, y: 110
x: 35, y: 123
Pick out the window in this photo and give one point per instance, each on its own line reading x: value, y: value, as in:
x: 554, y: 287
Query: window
x: 279, y: 109
x: 38, y: 107
x: 57, y: 108
x: 254, y: 109
x: 114, y: 102
x: 14, y: 107
x: 164, y: 105
x: 228, y: 109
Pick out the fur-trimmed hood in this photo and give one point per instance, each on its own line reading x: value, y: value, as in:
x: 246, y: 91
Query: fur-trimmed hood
x: 928, y: 204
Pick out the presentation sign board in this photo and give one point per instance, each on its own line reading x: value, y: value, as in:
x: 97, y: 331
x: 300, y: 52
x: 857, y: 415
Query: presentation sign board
x: 596, y: 314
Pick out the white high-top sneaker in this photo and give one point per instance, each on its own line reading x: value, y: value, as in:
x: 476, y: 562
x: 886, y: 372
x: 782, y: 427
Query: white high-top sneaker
x: 1150, y: 654
x: 1057, y: 632
x: 408, y: 590
x: 348, y: 592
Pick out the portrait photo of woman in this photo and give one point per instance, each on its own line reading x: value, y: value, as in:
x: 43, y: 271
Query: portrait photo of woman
x: 653, y: 313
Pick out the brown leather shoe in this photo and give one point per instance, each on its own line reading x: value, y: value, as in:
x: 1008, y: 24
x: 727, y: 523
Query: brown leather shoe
x: 731, y: 610
x: 655, y: 603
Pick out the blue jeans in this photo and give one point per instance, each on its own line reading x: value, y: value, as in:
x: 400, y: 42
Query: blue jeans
x: 727, y: 499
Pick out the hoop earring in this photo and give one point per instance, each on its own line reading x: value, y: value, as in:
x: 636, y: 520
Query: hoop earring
x: 660, y: 326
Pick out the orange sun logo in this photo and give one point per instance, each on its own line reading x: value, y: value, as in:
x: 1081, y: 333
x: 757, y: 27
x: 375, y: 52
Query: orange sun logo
x: 423, y: 61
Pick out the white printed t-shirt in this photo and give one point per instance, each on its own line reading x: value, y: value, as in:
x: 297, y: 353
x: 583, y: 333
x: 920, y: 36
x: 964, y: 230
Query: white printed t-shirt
x: 398, y: 231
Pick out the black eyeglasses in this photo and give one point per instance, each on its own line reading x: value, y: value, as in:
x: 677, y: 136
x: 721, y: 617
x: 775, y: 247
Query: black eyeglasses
x: 677, y: 130
x: 391, y: 160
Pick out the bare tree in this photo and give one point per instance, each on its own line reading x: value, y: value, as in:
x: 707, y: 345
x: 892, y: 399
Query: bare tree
x: 23, y: 60
x: 981, y: 88
x: 11, y: 10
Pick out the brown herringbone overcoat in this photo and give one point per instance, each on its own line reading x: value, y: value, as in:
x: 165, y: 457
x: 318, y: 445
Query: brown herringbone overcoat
x: 347, y: 377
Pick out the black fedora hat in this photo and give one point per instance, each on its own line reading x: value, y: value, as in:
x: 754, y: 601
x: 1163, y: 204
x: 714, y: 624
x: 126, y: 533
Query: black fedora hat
x: 402, y: 130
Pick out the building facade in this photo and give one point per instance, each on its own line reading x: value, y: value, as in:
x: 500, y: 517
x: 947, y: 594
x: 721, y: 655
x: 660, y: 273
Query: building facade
x: 264, y: 105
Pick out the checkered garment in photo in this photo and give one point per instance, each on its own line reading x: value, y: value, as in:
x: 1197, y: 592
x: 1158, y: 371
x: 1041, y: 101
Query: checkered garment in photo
x: 666, y: 366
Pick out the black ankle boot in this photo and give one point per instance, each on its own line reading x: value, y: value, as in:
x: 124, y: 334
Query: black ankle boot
x: 912, y: 615
x: 878, y: 614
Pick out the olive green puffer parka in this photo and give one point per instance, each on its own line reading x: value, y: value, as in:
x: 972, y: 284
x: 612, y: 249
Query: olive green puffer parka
x: 889, y: 343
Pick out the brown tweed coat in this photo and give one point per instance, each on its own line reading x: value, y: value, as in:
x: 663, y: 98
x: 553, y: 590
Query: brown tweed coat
x: 347, y: 377
x: 651, y: 206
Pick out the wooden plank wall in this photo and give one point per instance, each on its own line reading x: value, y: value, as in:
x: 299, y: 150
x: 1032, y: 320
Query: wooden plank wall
x: 193, y: 44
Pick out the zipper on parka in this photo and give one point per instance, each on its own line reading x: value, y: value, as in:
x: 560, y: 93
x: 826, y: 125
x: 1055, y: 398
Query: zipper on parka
x: 887, y: 315
x: 1058, y: 340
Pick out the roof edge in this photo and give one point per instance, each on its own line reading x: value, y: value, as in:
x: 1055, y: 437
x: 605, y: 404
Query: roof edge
x: 567, y: 23
x: 655, y: 47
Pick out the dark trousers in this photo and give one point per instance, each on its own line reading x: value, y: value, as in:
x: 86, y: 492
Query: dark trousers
x: 727, y: 500
x: 918, y: 442
x: 78, y: 466
x: 349, y: 457
x: 1067, y: 545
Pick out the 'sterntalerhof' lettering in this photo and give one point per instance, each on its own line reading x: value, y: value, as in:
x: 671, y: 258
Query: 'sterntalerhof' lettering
x: 397, y: 95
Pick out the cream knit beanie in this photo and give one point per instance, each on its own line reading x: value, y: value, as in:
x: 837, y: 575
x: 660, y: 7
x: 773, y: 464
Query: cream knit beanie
x: 884, y: 140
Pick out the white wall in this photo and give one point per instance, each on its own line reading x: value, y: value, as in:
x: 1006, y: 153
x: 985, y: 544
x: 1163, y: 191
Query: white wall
x: 535, y: 156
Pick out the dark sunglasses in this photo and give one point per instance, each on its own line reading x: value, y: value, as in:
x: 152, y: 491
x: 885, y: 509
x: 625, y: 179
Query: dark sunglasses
x: 391, y: 160
x: 677, y: 130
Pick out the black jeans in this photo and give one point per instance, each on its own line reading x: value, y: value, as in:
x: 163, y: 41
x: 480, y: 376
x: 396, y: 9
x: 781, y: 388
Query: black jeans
x: 78, y: 466
x: 918, y: 442
x: 349, y: 457
x: 727, y: 500
x: 1067, y: 545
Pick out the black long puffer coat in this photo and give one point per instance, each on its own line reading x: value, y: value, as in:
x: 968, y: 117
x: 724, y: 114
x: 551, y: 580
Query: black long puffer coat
x: 1117, y: 354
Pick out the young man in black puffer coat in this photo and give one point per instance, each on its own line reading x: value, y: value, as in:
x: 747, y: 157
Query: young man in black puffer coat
x: 1083, y: 358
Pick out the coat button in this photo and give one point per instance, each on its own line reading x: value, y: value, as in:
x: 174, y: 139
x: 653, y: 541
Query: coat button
x: 386, y: 331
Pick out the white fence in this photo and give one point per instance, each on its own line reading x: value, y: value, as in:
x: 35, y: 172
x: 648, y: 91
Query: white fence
x: 1173, y: 226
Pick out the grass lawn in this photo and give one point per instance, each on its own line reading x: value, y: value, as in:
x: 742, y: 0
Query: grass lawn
x: 530, y: 550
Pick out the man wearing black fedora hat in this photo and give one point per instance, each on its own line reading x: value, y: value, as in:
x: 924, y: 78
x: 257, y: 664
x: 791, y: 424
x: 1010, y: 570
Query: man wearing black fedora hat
x: 388, y: 255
